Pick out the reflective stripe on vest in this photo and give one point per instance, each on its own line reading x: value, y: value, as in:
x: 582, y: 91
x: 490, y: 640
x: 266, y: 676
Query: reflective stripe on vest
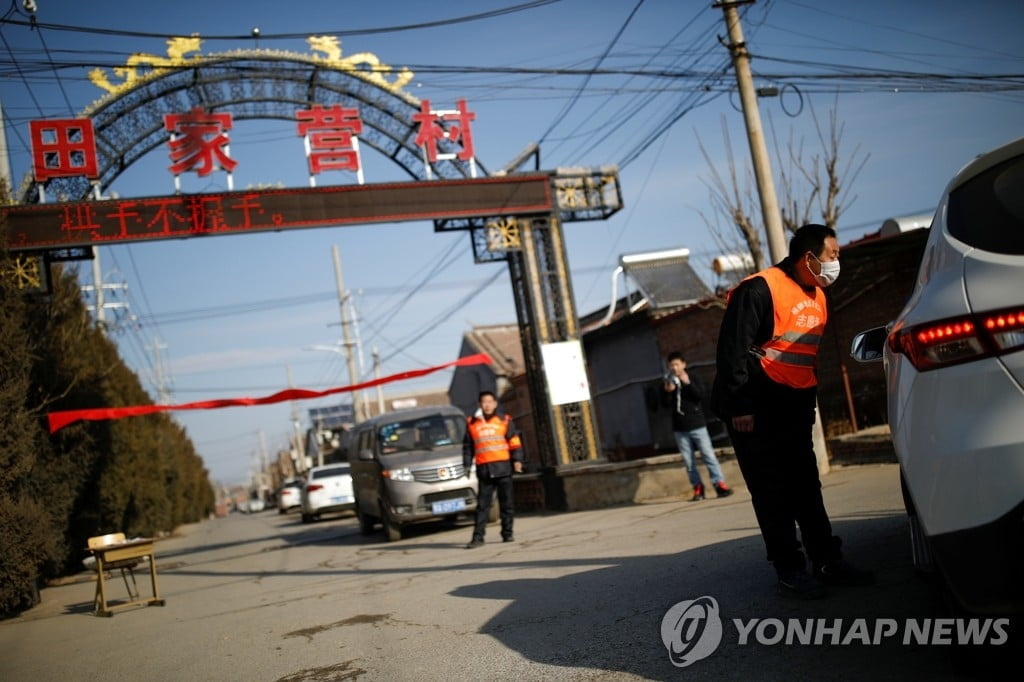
x: 791, y: 355
x: 489, y: 442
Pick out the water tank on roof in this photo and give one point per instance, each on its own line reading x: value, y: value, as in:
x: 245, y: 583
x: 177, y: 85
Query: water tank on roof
x: 733, y: 262
x: 894, y: 226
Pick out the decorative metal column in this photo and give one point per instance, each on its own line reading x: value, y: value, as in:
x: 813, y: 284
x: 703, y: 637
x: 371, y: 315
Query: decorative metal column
x: 534, y: 248
x: 543, y: 290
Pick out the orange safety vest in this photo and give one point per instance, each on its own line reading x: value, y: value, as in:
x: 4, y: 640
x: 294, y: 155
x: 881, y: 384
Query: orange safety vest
x: 791, y: 354
x: 489, y: 439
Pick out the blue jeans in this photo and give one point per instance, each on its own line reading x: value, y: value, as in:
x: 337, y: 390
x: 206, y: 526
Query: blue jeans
x: 685, y: 440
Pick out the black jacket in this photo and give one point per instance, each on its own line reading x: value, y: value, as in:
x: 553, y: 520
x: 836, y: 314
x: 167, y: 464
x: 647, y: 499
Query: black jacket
x: 741, y: 387
x: 684, y: 401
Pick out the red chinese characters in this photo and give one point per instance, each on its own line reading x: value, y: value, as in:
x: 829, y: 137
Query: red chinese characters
x: 331, y: 137
x: 431, y: 131
x: 199, y: 142
x: 63, y: 148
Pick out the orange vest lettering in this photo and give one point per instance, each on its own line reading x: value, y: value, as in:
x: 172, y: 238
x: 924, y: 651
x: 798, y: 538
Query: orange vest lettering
x: 489, y: 439
x: 791, y: 355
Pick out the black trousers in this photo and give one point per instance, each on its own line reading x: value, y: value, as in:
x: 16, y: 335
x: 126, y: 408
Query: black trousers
x: 485, y: 498
x: 777, y: 462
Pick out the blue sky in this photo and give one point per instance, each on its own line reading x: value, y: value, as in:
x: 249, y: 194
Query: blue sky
x: 235, y: 313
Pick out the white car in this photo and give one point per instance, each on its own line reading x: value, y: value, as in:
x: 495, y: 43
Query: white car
x: 328, y: 489
x: 954, y: 362
x: 289, y: 496
x: 251, y: 506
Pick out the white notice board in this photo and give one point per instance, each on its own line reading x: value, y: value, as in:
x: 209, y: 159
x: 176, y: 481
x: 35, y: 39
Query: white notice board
x: 565, y: 372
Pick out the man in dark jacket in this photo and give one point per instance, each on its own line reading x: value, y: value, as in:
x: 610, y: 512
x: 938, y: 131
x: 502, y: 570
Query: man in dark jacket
x: 492, y: 443
x: 766, y: 392
x: 684, y: 393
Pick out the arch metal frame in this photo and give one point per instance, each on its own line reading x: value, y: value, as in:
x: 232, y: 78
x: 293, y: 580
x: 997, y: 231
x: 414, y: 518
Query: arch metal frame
x: 266, y: 84
x: 250, y: 85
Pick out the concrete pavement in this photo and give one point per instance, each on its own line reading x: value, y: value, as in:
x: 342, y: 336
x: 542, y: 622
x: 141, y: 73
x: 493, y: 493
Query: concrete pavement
x: 579, y: 596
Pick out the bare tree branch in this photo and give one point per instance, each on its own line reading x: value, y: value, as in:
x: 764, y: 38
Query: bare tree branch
x: 809, y: 184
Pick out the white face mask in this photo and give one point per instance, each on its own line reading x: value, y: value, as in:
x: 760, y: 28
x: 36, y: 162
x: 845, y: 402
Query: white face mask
x: 829, y: 272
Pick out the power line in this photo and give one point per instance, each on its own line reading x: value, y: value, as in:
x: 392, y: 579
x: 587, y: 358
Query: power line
x: 583, y: 86
x: 631, y: 107
x: 859, y: 20
x: 291, y: 36
x: 39, y: 32
x: 443, y: 316
x: 21, y: 74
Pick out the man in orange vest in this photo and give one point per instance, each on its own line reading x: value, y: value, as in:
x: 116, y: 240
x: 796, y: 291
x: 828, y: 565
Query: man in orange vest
x: 492, y: 443
x: 765, y: 391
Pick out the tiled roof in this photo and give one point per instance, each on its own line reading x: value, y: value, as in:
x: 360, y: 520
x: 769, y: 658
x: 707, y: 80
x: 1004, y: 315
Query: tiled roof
x: 502, y: 342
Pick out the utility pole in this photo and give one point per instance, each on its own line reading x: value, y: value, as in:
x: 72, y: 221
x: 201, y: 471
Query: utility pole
x: 376, y: 375
x: 163, y: 395
x: 755, y: 134
x: 5, y: 160
x: 300, y: 444
x: 99, y: 289
x: 97, y: 285
x: 264, y: 484
x: 353, y: 375
x: 777, y: 246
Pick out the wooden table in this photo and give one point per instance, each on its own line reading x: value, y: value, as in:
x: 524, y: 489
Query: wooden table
x: 138, y: 548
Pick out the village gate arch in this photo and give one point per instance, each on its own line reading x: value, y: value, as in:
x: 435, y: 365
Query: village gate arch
x: 271, y: 84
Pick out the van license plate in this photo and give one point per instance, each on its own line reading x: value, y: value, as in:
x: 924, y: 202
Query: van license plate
x: 448, y: 506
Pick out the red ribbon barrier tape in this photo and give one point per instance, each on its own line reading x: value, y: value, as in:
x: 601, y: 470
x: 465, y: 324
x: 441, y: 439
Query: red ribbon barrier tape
x: 58, y: 420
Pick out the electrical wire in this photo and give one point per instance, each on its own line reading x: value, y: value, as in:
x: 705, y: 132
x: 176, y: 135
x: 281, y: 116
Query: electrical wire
x: 442, y: 317
x: 917, y: 34
x: 575, y: 98
x: 60, y: 83
x: 441, y: 264
x: 291, y: 36
x: 631, y: 107
x: 21, y: 75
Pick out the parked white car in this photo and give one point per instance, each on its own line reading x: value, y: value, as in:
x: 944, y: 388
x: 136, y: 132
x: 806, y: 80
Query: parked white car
x: 328, y: 489
x: 954, y: 361
x: 251, y: 506
x: 289, y: 496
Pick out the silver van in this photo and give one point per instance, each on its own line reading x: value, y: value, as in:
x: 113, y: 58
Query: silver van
x: 407, y: 467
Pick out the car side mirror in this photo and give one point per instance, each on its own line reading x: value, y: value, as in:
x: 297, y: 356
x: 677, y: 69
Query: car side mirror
x: 366, y: 455
x: 868, y: 346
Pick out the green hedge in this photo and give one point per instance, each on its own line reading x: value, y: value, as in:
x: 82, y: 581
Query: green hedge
x: 139, y: 475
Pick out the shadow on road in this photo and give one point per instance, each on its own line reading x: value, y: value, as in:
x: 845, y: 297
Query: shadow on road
x: 609, y: 618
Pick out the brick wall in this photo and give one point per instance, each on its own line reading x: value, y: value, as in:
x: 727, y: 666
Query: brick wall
x: 876, y: 279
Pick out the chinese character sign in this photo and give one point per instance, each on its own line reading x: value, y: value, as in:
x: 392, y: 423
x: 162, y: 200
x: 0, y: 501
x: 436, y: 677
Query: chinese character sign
x: 199, y: 142
x: 431, y: 131
x: 63, y: 148
x: 331, y: 137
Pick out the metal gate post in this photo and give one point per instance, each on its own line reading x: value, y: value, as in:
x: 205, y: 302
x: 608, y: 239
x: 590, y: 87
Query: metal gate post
x: 542, y: 288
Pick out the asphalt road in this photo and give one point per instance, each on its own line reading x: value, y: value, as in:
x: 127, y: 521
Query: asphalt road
x: 579, y: 596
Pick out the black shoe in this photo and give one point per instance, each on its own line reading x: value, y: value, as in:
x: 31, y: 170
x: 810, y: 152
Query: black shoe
x: 801, y: 585
x: 698, y: 493
x: 508, y: 538
x: 843, y: 573
x: 722, y: 490
x: 474, y: 543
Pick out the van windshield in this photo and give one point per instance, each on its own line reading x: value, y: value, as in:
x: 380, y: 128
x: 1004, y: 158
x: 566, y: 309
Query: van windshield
x: 426, y: 433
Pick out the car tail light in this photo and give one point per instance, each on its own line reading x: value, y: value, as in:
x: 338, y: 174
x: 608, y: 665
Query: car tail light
x: 314, y: 487
x: 960, y: 339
